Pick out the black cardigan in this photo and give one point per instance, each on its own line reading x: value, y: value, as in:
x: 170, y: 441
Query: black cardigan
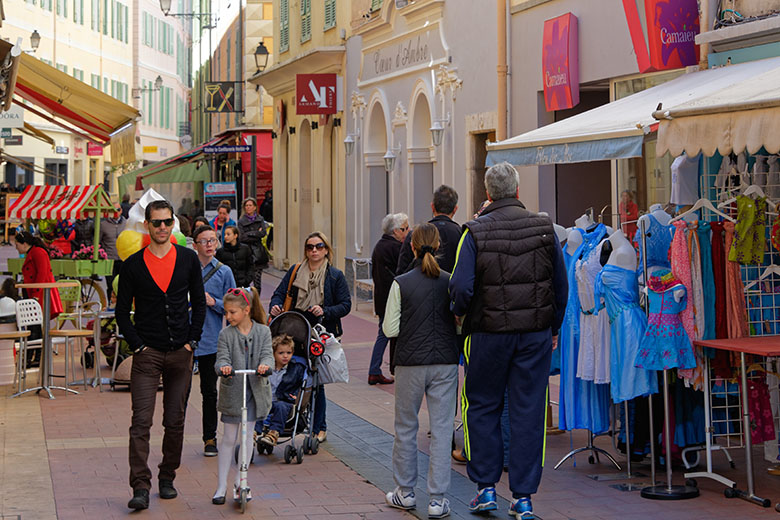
x: 162, y: 319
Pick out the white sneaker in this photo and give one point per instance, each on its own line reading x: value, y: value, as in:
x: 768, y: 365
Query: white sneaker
x: 439, y: 508
x: 396, y: 498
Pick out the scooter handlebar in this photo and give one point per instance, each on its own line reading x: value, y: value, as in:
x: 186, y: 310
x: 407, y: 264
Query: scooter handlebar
x: 234, y: 372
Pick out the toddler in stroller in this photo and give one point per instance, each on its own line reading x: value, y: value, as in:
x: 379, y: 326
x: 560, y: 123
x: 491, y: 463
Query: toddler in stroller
x: 286, y: 383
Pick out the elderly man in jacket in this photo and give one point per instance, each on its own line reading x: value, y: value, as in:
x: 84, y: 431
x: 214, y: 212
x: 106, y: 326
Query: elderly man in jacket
x: 508, y: 290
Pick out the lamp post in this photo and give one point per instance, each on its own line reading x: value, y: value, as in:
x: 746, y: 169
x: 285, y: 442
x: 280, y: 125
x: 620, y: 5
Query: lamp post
x: 35, y: 40
x: 261, y: 57
x: 349, y: 144
x: 157, y: 86
x: 165, y: 6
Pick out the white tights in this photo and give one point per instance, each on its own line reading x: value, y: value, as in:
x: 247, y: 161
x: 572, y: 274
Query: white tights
x: 226, y: 456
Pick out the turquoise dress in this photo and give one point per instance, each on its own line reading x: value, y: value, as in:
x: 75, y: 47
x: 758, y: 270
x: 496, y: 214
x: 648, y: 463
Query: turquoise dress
x: 618, y: 286
x: 582, y: 404
x: 665, y: 343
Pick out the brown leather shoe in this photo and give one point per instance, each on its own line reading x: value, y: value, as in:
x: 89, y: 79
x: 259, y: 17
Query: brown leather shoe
x: 459, y: 457
x: 379, y: 379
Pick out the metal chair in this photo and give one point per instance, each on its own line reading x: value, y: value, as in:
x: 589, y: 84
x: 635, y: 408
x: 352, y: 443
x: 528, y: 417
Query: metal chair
x: 73, y: 294
x: 28, y: 314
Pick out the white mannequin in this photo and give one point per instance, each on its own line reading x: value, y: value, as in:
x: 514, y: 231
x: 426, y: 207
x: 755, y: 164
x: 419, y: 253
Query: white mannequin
x: 623, y: 253
x: 584, y: 222
x: 660, y: 215
x: 678, y: 293
x: 610, y: 229
x: 573, y: 240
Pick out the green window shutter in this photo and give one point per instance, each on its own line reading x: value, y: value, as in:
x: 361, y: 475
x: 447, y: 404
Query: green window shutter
x: 105, y: 17
x: 376, y: 5
x: 94, y: 81
x: 81, y: 12
x: 330, y: 14
x: 284, y: 25
x: 161, y: 120
x: 305, y: 20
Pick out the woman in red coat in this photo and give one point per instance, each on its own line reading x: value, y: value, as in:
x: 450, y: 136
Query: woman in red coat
x: 37, y: 269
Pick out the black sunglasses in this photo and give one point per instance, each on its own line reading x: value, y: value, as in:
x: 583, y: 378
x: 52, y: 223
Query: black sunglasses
x: 157, y: 222
x: 311, y: 247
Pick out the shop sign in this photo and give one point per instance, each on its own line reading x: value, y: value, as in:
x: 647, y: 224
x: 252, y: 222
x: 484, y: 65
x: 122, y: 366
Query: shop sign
x: 560, y: 63
x: 62, y: 150
x: 220, y: 97
x: 228, y: 148
x: 316, y: 94
x: 163, y: 152
x: 150, y: 149
x: 214, y: 193
x: 13, y: 141
x: 423, y: 49
x: 13, y: 117
x: 670, y: 42
x: 94, y: 149
x: 6, y: 132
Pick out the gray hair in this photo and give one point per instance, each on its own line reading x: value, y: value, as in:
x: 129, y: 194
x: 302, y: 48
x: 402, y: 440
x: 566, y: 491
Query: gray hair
x: 393, y: 221
x: 501, y: 181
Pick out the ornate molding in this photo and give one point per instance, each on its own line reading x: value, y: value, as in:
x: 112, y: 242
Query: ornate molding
x: 447, y: 79
x: 399, y: 116
x: 358, y: 103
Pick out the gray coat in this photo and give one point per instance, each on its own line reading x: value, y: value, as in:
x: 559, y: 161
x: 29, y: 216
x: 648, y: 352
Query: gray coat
x: 231, y: 351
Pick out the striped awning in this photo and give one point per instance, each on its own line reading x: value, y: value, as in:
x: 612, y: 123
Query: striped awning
x: 60, y: 202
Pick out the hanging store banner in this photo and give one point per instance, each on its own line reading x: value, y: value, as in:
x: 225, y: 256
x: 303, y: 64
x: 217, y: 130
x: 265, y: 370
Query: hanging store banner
x: 13, y: 117
x: 669, y: 41
x: 220, y: 97
x: 316, y: 94
x: 94, y: 150
x: 561, y: 63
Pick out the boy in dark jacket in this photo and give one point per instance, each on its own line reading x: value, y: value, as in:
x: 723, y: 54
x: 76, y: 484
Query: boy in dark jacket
x: 286, y: 380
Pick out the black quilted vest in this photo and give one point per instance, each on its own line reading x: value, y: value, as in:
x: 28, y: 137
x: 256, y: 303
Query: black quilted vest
x: 427, y: 331
x: 513, y: 289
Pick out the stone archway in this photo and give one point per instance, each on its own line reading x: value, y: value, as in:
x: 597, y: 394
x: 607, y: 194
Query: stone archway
x: 376, y: 147
x: 421, y: 159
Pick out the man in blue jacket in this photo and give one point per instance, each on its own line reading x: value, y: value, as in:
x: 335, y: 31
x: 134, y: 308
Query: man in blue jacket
x: 508, y: 290
x: 217, y: 279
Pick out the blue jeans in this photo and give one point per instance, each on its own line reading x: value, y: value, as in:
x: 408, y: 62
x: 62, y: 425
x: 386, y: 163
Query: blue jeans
x: 318, y: 423
x: 277, y: 416
x: 375, y: 367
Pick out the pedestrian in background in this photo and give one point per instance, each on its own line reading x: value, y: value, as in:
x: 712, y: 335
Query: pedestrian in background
x: 222, y: 220
x: 251, y: 230
x: 237, y: 256
x: 126, y: 205
x: 384, y: 260
x: 510, y: 284
x: 444, y: 206
x: 426, y: 365
x: 110, y: 227
x: 217, y: 280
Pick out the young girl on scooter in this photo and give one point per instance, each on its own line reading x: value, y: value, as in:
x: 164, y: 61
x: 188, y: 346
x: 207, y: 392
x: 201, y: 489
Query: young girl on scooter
x: 245, y: 344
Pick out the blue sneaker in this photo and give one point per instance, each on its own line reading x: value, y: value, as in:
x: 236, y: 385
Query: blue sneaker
x: 484, y: 501
x: 522, y: 509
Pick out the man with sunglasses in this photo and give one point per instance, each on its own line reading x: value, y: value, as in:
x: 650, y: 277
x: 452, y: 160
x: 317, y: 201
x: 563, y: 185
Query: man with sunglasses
x: 217, y: 280
x: 164, y: 285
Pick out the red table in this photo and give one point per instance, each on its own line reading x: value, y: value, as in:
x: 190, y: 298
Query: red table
x: 768, y: 346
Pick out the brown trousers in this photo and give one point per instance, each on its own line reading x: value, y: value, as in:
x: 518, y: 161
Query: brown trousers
x: 175, y: 367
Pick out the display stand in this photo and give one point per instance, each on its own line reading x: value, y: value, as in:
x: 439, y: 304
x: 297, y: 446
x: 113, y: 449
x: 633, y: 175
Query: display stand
x: 628, y: 475
x: 594, y: 457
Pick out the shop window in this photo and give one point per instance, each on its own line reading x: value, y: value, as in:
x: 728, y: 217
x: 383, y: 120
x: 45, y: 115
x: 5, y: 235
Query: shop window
x: 647, y: 178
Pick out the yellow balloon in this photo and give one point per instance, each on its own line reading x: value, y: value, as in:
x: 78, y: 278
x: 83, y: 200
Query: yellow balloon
x: 128, y: 242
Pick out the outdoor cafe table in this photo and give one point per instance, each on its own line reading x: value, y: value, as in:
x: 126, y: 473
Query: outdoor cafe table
x: 46, y: 356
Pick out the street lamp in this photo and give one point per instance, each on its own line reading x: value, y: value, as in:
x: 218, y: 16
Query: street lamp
x: 35, y: 40
x: 261, y: 56
x: 157, y: 86
x: 158, y: 80
x: 165, y: 6
x: 437, y: 129
x: 349, y: 144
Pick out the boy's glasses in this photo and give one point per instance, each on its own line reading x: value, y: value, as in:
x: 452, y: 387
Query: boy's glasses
x: 318, y: 246
x: 207, y: 241
x: 157, y: 222
x: 240, y: 292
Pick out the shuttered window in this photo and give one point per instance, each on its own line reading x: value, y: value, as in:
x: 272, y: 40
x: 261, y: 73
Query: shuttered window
x: 305, y: 20
x: 376, y: 5
x: 284, y: 25
x: 330, y: 14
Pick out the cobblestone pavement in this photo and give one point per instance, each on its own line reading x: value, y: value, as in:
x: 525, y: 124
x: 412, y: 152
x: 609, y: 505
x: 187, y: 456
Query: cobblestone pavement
x: 67, y: 458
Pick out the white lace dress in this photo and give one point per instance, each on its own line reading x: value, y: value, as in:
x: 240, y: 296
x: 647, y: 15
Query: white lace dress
x: 593, y: 359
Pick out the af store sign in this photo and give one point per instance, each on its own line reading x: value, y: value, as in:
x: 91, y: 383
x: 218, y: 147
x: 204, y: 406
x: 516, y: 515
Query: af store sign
x: 670, y: 39
x: 560, y: 63
x: 317, y: 94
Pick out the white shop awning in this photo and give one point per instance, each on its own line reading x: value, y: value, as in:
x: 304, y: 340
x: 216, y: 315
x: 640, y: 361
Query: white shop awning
x: 617, y: 130
x: 742, y: 116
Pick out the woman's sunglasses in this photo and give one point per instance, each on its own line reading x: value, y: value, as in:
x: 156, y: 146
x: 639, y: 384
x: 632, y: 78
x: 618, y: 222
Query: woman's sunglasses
x: 312, y: 247
x: 157, y: 222
x: 240, y: 292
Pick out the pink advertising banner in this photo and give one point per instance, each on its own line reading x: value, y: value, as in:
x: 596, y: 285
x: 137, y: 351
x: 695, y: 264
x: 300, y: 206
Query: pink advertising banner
x: 560, y: 63
x: 669, y: 41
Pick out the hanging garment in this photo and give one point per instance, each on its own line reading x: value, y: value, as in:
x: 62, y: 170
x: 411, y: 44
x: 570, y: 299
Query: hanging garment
x: 721, y: 361
x: 707, y: 279
x: 695, y: 376
x: 658, y: 238
x: 736, y: 313
x: 665, y: 343
x: 749, y: 233
x: 581, y: 404
x: 762, y: 426
x: 628, y: 322
x: 593, y: 360
x: 760, y: 171
x: 689, y: 426
x: 775, y: 234
x: 681, y: 267
x: 685, y: 180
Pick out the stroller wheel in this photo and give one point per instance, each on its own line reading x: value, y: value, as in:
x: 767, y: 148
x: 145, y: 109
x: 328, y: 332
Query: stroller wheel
x: 289, y: 453
x: 306, y: 446
x: 315, y: 446
x: 298, y: 456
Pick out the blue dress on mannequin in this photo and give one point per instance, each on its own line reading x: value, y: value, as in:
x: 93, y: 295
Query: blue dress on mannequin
x: 658, y: 239
x: 582, y: 404
x: 619, y: 288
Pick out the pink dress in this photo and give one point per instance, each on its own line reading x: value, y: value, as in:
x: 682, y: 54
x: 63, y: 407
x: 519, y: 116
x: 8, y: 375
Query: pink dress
x: 681, y: 267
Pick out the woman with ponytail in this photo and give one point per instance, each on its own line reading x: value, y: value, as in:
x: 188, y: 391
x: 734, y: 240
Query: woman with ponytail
x: 426, y: 365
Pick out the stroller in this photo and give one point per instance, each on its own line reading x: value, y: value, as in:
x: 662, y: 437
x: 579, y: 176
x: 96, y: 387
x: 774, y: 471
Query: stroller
x: 309, y: 347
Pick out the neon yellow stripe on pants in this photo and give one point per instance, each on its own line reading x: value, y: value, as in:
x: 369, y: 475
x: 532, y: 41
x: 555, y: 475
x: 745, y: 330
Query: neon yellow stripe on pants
x: 546, y: 407
x: 464, y: 402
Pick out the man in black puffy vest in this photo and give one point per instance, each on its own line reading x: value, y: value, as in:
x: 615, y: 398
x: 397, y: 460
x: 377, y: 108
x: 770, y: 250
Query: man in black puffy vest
x: 508, y: 290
